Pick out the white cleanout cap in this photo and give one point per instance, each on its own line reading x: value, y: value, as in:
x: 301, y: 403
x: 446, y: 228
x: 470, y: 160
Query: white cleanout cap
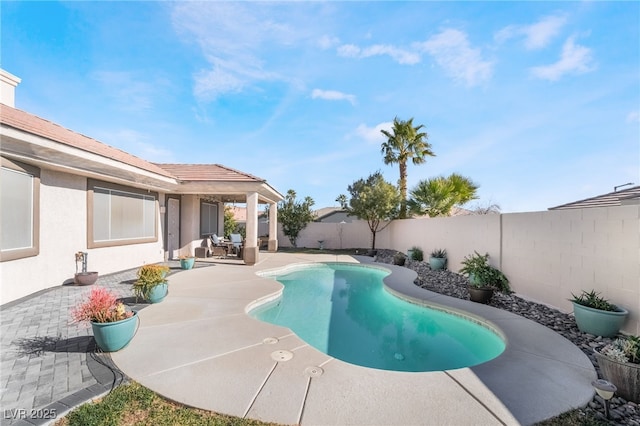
x: 8, y: 83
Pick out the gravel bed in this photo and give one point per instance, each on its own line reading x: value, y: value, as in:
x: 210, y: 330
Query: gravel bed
x: 622, y: 412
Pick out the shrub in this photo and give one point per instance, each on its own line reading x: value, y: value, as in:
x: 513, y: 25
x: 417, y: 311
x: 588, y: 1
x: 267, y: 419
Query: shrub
x: 593, y: 300
x: 417, y: 254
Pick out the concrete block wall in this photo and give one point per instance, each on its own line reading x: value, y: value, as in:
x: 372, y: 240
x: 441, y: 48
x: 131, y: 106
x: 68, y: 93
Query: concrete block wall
x: 546, y: 255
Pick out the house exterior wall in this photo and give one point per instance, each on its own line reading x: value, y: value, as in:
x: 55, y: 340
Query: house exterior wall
x: 546, y: 255
x: 63, y: 232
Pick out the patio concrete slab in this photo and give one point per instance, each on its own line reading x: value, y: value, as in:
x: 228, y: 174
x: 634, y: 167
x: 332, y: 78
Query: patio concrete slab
x: 199, y: 347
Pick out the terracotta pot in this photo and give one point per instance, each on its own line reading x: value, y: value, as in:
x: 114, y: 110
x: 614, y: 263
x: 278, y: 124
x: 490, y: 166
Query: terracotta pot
x: 85, y: 278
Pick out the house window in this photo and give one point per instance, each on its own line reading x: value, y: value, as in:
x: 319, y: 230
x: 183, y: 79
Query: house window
x: 120, y: 215
x: 208, y: 218
x: 19, y: 210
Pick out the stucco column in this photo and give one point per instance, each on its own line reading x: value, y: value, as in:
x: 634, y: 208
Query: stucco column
x: 250, y: 250
x: 273, y: 227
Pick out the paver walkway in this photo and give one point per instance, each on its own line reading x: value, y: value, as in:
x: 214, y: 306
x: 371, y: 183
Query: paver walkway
x: 48, y: 364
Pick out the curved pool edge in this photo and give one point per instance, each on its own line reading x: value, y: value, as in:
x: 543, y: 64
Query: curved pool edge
x: 215, y: 357
x: 563, y: 373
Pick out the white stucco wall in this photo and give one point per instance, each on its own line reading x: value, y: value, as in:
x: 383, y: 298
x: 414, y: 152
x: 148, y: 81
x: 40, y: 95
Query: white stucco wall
x: 63, y: 232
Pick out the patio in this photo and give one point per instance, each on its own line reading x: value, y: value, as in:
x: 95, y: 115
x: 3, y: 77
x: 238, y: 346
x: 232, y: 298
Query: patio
x: 213, y: 356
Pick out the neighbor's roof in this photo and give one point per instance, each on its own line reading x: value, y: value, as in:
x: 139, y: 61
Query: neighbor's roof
x: 208, y: 172
x: 611, y: 199
x: 33, y: 124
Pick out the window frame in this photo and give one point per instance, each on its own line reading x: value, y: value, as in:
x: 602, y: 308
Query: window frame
x: 217, y: 207
x: 34, y: 250
x: 91, y: 243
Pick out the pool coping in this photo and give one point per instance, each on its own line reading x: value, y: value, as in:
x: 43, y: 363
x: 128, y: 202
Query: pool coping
x: 200, y: 348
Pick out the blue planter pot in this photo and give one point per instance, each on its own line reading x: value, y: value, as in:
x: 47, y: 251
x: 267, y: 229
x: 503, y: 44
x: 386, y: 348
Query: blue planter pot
x: 599, y: 322
x: 158, y: 293
x: 113, y: 336
x: 437, y: 263
x: 187, y: 263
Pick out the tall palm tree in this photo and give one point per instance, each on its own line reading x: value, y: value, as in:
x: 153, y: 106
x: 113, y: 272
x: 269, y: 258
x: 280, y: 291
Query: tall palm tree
x: 405, y: 142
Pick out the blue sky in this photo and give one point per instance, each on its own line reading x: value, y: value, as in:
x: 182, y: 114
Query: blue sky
x: 537, y: 102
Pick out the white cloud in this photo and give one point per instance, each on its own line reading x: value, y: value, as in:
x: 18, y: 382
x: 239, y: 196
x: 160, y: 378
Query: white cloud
x: 452, y: 51
x: 332, y: 95
x: 327, y: 42
x: 138, y: 144
x: 399, y: 55
x: 633, y: 117
x: 574, y: 59
x: 129, y: 91
x: 232, y: 37
x: 537, y: 35
x: 373, y: 134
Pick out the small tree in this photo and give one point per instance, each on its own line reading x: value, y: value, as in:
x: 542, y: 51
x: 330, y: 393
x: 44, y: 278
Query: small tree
x: 294, y: 215
x: 372, y: 199
x: 230, y: 223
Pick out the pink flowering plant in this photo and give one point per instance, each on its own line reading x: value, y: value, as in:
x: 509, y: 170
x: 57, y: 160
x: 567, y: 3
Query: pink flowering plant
x: 102, y: 306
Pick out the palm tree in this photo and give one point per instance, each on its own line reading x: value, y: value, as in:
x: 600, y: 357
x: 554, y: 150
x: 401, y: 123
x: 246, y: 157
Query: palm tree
x: 437, y: 196
x: 405, y: 142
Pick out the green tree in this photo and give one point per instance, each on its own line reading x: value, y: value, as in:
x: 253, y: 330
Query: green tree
x: 372, y: 199
x: 437, y: 196
x: 230, y: 223
x: 294, y: 215
x: 405, y: 142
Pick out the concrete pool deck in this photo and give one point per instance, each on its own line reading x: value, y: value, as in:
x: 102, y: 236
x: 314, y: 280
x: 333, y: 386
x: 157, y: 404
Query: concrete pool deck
x: 200, y: 348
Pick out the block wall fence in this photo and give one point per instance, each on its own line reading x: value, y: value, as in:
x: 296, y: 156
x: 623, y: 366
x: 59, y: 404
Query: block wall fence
x: 546, y: 255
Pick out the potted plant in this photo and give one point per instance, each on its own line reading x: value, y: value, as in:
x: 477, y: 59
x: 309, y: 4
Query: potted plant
x: 399, y: 259
x: 152, y: 284
x: 186, y: 262
x: 84, y: 277
x: 113, y: 326
x: 415, y: 253
x: 596, y: 315
x: 438, y: 259
x: 620, y: 364
x: 484, y: 279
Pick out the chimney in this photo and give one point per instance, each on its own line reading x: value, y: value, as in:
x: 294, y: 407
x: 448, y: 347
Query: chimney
x: 8, y: 83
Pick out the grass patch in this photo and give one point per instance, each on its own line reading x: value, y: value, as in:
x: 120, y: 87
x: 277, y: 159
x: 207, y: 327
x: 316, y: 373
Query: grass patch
x: 133, y: 404
x: 574, y: 418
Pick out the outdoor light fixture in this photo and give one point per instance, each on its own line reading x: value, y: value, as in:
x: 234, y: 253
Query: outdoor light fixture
x: 606, y: 390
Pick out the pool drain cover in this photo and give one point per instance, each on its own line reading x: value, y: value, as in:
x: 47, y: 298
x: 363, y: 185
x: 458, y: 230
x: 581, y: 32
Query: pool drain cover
x: 313, y: 371
x: 270, y: 341
x: 281, y: 355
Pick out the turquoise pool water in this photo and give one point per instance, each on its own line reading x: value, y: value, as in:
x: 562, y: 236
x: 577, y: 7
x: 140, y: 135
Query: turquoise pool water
x: 344, y: 311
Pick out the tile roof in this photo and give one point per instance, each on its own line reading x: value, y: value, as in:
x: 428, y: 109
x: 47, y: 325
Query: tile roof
x: 208, y: 172
x: 606, y: 200
x: 29, y: 123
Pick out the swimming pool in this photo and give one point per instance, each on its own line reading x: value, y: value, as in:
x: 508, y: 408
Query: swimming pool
x: 344, y: 311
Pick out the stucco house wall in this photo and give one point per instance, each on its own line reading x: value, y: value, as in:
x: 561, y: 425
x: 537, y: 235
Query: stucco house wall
x: 63, y: 232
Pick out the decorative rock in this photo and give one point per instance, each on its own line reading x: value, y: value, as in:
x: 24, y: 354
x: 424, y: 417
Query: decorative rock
x: 451, y: 284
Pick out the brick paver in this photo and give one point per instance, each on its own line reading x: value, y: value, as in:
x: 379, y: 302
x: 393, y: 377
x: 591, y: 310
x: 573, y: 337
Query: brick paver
x: 48, y: 364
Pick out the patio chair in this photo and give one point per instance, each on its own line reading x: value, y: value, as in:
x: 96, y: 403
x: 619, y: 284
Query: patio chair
x: 236, y: 240
x: 218, y: 248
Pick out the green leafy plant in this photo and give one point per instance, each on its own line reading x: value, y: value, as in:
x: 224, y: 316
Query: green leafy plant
x: 593, y: 300
x: 417, y: 254
x: 481, y: 274
x: 149, y: 276
x: 439, y: 253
